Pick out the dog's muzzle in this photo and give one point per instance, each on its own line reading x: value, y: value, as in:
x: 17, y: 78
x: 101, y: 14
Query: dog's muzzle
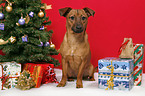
x: 78, y: 29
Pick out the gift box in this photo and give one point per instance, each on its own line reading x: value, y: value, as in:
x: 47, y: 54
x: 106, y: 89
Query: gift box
x: 36, y: 71
x: 138, y: 63
x: 2, y: 26
x: 115, y: 73
x: 41, y: 73
x: 9, y: 73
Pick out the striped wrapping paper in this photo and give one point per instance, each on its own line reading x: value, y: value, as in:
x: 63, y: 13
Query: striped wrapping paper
x: 138, y: 63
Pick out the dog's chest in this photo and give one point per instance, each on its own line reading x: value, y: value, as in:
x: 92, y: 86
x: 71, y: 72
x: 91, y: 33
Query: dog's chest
x: 74, y: 62
x: 74, y: 51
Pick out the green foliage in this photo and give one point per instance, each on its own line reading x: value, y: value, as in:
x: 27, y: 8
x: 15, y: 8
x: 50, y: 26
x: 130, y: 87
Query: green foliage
x: 24, y: 52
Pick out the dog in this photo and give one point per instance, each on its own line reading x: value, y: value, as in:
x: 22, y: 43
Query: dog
x: 75, y: 48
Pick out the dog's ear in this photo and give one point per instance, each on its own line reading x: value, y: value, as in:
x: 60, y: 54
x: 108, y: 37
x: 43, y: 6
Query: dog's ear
x: 89, y: 11
x: 64, y: 11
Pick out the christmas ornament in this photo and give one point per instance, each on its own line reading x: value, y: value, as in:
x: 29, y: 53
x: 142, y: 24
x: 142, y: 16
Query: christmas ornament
x: 31, y: 14
x: 3, y: 42
x: 41, y: 14
x: 25, y: 81
x: 2, y: 26
x: 9, y: 7
x: 41, y: 44
x: 45, y: 7
x: 12, y: 39
x: 1, y: 16
x: 52, y: 46
x: 25, y: 38
x: 47, y: 44
x: 41, y: 28
x: 21, y: 21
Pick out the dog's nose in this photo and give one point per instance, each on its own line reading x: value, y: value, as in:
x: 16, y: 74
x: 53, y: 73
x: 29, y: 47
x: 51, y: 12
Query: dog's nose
x: 79, y: 27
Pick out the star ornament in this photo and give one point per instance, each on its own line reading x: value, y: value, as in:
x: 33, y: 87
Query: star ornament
x: 12, y: 39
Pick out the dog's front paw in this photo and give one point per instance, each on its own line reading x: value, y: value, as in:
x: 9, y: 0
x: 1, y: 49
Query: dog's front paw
x: 61, y: 84
x: 79, y: 86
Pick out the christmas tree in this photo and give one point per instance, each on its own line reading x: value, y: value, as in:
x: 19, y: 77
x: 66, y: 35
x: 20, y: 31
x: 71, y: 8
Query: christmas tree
x: 23, y: 37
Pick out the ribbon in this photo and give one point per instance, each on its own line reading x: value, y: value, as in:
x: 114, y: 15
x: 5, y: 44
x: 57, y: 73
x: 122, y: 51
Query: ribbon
x: 110, y: 82
x: 50, y: 75
x: 5, y: 77
x: 35, y: 73
x: 123, y: 46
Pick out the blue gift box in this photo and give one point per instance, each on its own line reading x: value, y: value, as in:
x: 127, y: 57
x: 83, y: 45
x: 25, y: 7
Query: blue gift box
x: 115, y: 73
x: 1, y: 26
x: 31, y: 14
x: 41, y: 28
x: 25, y: 38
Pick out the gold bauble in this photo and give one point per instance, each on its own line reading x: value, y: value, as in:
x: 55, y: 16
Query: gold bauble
x: 9, y: 8
x: 52, y: 46
x: 41, y: 14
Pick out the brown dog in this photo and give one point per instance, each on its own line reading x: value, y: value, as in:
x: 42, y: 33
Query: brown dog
x: 75, y: 49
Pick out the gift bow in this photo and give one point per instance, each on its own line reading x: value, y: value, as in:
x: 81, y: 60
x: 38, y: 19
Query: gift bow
x: 50, y: 75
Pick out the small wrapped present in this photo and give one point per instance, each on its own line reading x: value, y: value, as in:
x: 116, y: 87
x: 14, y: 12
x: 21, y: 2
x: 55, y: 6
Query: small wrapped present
x: 41, y: 28
x: 115, y: 73
x: 25, y: 81
x: 126, y: 50
x: 2, y: 26
x: 9, y: 73
x: 138, y: 63
x: 25, y: 38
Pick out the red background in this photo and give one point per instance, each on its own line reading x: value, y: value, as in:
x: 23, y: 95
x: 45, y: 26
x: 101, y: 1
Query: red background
x: 113, y: 20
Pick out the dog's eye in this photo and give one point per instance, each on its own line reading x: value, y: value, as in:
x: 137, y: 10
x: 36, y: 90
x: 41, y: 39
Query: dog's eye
x: 72, y: 17
x: 83, y: 18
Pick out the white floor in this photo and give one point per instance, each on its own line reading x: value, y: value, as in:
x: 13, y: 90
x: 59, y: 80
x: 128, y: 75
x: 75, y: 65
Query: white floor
x: 90, y: 88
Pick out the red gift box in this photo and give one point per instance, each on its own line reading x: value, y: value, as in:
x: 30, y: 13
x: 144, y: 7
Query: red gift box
x: 42, y: 73
x: 36, y: 72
